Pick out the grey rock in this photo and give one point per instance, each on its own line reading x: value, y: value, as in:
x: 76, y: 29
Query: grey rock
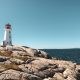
x: 45, y: 74
x: 44, y: 54
x: 60, y: 69
x: 10, y: 74
x: 3, y: 58
x: 16, y: 61
x: 17, y: 75
x: 19, y: 53
x: 33, y: 64
x: 7, y: 62
x: 30, y: 77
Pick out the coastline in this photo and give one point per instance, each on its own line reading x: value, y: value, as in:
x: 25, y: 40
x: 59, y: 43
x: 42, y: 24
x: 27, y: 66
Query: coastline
x: 24, y: 63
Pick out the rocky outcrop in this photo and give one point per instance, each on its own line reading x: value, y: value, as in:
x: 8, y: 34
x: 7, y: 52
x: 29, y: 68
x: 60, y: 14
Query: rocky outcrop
x: 17, y: 75
x: 24, y: 63
x: 25, y: 51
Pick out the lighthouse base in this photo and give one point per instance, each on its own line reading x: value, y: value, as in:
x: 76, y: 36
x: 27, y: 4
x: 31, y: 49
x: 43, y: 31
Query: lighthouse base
x: 6, y: 43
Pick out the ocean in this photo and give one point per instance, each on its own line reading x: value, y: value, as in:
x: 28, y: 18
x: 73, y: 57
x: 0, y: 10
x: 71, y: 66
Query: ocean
x: 65, y: 54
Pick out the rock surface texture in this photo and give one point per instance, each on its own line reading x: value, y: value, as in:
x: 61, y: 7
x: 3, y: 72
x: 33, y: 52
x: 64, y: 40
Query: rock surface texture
x: 24, y: 63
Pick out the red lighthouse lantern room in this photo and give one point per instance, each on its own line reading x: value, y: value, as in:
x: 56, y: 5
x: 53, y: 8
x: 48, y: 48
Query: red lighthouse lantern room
x: 8, y: 26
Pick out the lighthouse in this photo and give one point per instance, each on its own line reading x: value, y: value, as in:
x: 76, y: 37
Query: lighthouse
x: 7, y: 35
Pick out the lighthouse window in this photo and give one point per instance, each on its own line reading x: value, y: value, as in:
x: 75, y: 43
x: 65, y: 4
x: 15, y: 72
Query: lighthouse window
x: 9, y: 36
x: 9, y: 32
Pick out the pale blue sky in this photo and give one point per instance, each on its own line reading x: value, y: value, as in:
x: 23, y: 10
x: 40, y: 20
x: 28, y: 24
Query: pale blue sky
x: 42, y: 23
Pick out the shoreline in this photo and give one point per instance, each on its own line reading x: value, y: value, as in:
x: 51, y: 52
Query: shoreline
x: 25, y: 63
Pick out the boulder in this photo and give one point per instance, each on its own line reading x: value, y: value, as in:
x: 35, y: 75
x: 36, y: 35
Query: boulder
x: 70, y: 74
x: 17, y: 75
x: 16, y: 48
x: 44, y: 54
x: 70, y: 77
x: 26, y: 76
x: 45, y: 73
x: 40, y: 68
x: 19, y: 53
x: 26, y: 51
x: 59, y: 69
x: 23, y: 68
x: 7, y: 62
x: 34, y: 65
x: 78, y: 71
x: 31, y: 51
x: 3, y: 58
x: 10, y: 75
x: 16, y: 61
x: 2, y: 48
x: 36, y: 52
x: 58, y: 76
x: 49, y: 66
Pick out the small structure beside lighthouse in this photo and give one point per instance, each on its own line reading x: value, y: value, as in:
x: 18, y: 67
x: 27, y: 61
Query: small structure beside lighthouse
x: 7, y: 35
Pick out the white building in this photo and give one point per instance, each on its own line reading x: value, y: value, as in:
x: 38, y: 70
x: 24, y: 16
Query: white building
x: 7, y: 35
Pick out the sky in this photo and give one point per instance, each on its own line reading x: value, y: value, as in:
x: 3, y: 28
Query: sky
x: 42, y: 23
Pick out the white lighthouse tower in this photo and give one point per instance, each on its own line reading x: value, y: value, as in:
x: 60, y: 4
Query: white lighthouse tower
x: 7, y: 35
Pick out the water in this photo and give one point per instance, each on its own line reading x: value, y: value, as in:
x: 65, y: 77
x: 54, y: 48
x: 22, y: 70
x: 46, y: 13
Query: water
x: 65, y: 54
